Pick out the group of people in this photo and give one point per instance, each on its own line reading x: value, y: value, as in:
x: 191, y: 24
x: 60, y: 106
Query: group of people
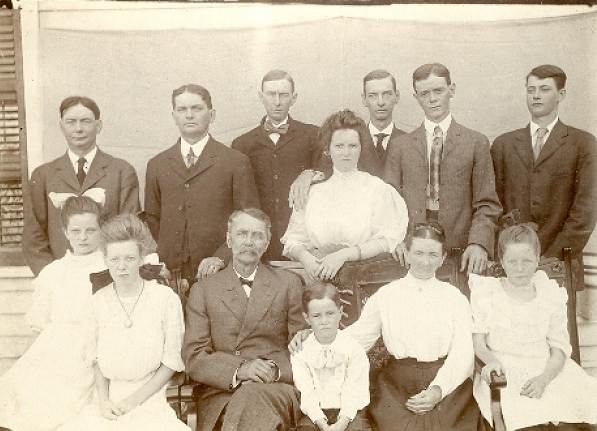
x: 355, y: 190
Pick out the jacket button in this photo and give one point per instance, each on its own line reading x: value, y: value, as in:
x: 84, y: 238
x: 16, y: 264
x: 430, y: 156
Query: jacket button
x: 237, y: 353
x: 180, y: 208
x: 186, y: 185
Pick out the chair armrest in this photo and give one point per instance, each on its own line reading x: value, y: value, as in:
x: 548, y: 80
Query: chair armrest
x: 497, y: 381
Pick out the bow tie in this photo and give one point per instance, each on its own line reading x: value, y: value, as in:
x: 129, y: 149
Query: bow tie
x: 245, y: 282
x: 270, y: 128
x: 328, y: 358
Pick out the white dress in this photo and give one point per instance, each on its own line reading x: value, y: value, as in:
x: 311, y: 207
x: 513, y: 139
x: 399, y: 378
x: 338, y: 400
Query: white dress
x: 53, y: 380
x: 520, y: 335
x: 129, y: 357
x: 348, y: 209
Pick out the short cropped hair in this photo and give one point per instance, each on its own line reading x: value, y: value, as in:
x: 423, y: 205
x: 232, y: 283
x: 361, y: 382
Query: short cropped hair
x: 428, y: 230
x: 87, y: 102
x: 320, y: 290
x: 426, y: 70
x: 193, y: 89
x: 518, y: 234
x: 378, y: 74
x: 256, y: 213
x: 127, y: 227
x: 79, y: 205
x: 277, y: 74
x: 549, y: 71
x: 341, y: 120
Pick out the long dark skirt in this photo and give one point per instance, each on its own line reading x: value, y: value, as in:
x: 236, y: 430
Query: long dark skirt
x: 399, y: 380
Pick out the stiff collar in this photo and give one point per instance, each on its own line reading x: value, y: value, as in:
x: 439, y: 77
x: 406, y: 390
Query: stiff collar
x: 534, y: 126
x: 251, y: 277
x: 444, y: 125
x: 375, y: 131
x: 74, y: 159
x: 197, y: 146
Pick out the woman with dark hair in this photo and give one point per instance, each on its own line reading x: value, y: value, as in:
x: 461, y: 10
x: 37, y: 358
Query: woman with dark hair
x: 53, y: 380
x: 136, y: 329
x: 350, y: 216
x: 426, y: 327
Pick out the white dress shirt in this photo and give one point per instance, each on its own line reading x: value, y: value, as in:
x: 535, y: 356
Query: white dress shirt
x: 197, y: 147
x: 334, y: 376
x: 275, y: 137
x: 388, y: 131
x: 74, y: 159
x: 421, y: 319
x: 430, y: 126
x: 534, y: 127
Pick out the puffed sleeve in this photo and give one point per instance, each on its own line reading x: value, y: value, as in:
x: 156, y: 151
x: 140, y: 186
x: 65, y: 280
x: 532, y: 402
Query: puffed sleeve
x: 173, y: 327
x: 390, y: 216
x: 296, y: 233
x: 482, y: 290
x: 38, y: 315
x: 555, y: 301
x: 90, y: 330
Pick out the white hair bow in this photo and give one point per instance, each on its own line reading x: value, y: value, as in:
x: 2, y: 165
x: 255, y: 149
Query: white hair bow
x: 97, y: 194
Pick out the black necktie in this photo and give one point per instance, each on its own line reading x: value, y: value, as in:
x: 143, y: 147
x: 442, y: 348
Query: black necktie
x: 246, y: 282
x: 379, y: 145
x: 80, y: 171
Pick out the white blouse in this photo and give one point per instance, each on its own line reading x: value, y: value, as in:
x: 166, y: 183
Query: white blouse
x: 348, y: 209
x: 154, y: 338
x: 63, y: 290
x: 422, y: 319
x: 334, y: 376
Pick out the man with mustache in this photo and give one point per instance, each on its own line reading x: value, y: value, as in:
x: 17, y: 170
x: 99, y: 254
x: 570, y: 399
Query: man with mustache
x: 192, y: 187
x: 83, y: 170
x: 444, y: 172
x: 546, y: 172
x: 238, y: 324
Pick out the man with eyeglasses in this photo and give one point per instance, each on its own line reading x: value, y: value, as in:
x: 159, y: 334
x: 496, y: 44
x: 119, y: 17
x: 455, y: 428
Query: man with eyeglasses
x: 192, y: 187
x: 546, y: 172
x: 83, y: 170
x: 444, y: 172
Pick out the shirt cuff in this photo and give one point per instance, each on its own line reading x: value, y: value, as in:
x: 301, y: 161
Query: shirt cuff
x: 235, y: 382
x: 349, y: 412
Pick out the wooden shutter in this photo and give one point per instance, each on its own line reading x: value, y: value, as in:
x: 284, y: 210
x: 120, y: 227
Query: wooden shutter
x: 12, y: 139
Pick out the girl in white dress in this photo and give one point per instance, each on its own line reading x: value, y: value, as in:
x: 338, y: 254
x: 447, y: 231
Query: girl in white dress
x: 137, y: 329
x: 53, y: 380
x: 520, y: 329
x: 350, y: 216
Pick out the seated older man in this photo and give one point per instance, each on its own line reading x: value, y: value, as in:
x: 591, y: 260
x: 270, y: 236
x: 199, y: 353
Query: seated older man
x: 238, y: 324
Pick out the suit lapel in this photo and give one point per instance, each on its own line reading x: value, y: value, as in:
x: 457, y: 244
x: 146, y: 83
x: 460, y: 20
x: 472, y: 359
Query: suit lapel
x: 97, y: 170
x: 452, y: 139
x: 66, y: 172
x: 420, y: 143
x: 262, y: 295
x: 524, y: 147
x: 175, y: 160
x: 206, y: 160
x: 234, y: 298
x: 556, y: 139
x: 263, y: 138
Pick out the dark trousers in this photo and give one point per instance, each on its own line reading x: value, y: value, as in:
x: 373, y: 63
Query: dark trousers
x: 360, y: 422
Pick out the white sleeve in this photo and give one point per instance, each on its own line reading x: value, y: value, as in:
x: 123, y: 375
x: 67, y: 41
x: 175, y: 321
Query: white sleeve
x: 355, y: 391
x: 296, y: 233
x: 173, y: 327
x: 304, y: 382
x: 38, y: 315
x: 390, y: 217
x: 367, y: 329
x: 458, y: 366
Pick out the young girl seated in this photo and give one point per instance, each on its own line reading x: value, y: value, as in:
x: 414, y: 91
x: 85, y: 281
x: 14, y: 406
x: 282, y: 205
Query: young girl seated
x: 52, y: 382
x: 332, y: 370
x: 520, y: 329
x: 137, y: 328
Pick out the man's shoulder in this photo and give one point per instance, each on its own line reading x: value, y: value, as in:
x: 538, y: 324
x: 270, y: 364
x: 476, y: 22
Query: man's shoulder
x: 114, y: 162
x: 163, y: 154
x: 470, y: 135
x: 510, y: 136
x: 580, y: 135
x: 304, y: 127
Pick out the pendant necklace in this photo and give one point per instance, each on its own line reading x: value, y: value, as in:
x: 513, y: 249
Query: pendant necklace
x: 128, y: 323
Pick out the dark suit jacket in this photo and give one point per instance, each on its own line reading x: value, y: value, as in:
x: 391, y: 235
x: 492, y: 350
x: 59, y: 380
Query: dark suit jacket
x: 187, y: 209
x: 276, y: 166
x: 223, y: 328
x: 558, y: 192
x: 469, y: 206
x: 43, y: 236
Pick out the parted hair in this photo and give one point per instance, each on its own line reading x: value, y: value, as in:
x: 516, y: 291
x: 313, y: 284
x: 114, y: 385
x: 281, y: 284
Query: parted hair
x: 345, y: 119
x: 256, y: 213
x: 549, y: 71
x: 87, y: 102
x: 79, y: 205
x: 127, y: 227
x: 518, y: 234
x: 427, y: 230
x: 426, y: 70
x: 320, y: 290
x: 378, y: 74
x: 277, y: 74
x: 193, y: 89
